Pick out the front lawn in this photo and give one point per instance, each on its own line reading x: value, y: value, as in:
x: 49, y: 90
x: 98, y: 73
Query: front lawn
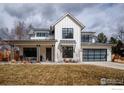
x: 64, y: 74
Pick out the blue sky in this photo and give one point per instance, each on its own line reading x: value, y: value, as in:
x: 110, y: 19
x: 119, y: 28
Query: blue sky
x: 96, y: 17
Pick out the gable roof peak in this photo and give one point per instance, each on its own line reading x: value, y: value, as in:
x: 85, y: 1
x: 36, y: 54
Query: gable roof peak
x: 72, y: 17
x: 67, y: 13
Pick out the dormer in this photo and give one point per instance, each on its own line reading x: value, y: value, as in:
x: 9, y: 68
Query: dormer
x: 40, y: 33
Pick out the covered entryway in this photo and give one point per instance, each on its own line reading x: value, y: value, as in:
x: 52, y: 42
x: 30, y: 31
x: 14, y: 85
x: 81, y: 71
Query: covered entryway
x: 67, y: 48
x: 94, y: 55
x: 67, y: 51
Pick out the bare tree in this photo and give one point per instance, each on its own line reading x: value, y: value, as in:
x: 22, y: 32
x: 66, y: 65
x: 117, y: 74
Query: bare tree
x: 20, y: 30
x: 4, y: 33
x: 120, y: 34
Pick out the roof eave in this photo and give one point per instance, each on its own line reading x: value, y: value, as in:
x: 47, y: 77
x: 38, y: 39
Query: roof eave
x: 97, y: 44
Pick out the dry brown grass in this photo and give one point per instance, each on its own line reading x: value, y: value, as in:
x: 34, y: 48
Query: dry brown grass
x: 65, y: 74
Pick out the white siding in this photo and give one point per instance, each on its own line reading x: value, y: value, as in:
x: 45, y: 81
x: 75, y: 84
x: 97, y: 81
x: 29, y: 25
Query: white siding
x: 42, y: 38
x: 67, y: 22
x: 109, y: 56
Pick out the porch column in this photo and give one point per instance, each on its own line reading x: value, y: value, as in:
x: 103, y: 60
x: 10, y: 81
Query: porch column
x: 38, y: 53
x: 21, y: 50
x: 12, y: 52
x: 53, y: 46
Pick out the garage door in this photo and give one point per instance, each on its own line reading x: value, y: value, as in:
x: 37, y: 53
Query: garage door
x: 94, y: 54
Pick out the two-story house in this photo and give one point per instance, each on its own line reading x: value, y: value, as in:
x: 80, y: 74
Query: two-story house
x: 65, y: 39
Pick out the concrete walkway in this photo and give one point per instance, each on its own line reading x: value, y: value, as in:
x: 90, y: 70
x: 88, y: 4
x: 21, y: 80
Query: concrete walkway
x: 107, y: 64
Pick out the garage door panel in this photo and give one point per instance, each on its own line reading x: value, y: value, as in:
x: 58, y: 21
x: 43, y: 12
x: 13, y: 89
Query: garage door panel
x: 94, y: 54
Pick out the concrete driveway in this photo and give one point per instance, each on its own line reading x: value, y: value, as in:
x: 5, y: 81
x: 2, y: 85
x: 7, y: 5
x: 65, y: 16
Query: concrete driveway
x: 107, y: 64
x: 104, y: 64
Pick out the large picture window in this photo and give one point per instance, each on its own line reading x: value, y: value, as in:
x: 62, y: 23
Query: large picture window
x: 67, y: 52
x: 67, y: 33
x: 30, y: 52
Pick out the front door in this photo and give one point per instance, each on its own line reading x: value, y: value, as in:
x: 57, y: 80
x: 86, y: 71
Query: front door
x: 48, y: 54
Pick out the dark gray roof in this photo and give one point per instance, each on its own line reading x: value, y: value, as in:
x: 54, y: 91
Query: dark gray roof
x: 95, y: 44
x: 88, y: 32
x: 40, y: 29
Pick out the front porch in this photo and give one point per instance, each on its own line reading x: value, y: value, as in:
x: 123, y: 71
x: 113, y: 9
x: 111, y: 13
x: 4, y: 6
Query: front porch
x: 39, y: 53
x: 33, y: 50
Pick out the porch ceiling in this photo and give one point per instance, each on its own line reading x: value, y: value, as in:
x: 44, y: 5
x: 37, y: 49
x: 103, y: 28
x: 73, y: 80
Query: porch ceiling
x: 31, y: 42
x: 67, y: 42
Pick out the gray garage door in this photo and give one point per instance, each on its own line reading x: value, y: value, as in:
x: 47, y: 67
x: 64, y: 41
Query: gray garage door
x: 94, y: 54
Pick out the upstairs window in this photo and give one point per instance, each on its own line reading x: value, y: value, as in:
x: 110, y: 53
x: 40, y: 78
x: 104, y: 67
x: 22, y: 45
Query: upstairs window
x: 42, y: 34
x: 67, y: 33
x: 86, y: 38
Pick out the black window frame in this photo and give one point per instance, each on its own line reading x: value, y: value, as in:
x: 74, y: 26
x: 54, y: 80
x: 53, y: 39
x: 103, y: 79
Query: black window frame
x: 30, y: 52
x: 67, y: 51
x: 38, y: 34
x: 43, y: 34
x: 66, y: 33
x: 86, y: 38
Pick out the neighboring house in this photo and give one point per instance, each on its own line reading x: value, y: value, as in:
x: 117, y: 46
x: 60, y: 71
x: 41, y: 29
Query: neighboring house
x: 65, y: 39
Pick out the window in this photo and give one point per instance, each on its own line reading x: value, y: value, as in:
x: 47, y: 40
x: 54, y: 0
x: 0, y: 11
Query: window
x: 42, y: 34
x: 86, y: 38
x: 30, y: 52
x: 67, y: 33
x: 38, y: 34
x: 67, y: 52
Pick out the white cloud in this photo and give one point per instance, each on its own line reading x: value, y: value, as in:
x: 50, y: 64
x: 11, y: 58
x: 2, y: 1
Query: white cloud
x: 103, y: 19
x: 96, y: 17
